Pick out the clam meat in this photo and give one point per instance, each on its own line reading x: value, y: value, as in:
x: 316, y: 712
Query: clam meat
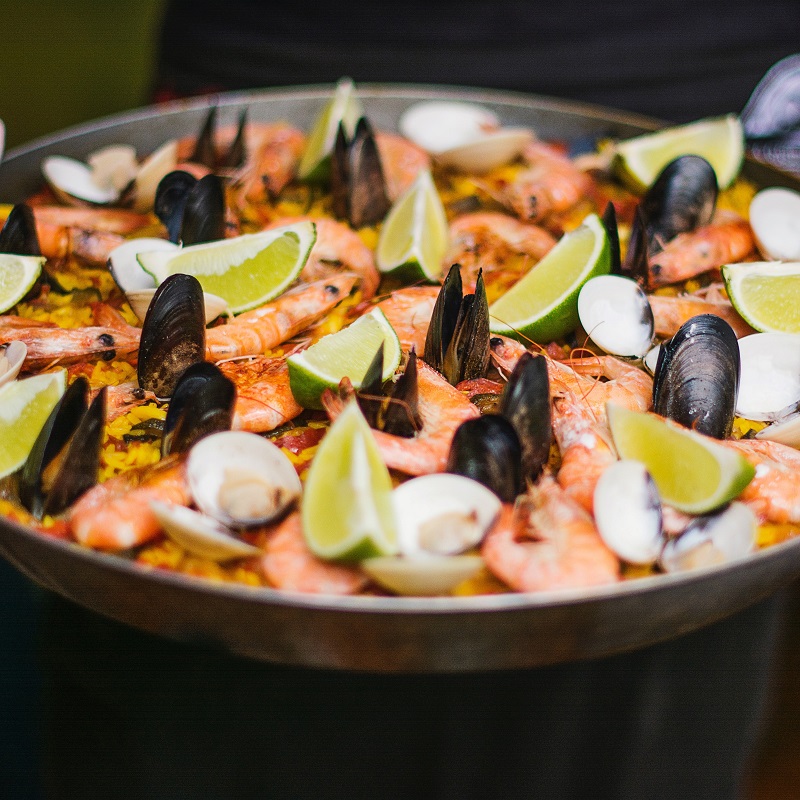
x: 769, y: 387
x: 775, y: 220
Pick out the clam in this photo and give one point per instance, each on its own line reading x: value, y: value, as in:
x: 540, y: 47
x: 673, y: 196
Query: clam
x: 786, y: 431
x: 18, y: 235
x: 697, y: 376
x: 439, y: 517
x: 465, y: 136
x: 125, y: 268
x: 114, y: 166
x: 627, y: 511
x: 2, y: 138
x: 616, y: 314
x: 775, y: 220
x: 158, y: 164
x: 650, y: 359
x: 241, y: 479
x: 711, y: 540
x: 12, y: 357
x: 769, y: 387
x: 72, y: 180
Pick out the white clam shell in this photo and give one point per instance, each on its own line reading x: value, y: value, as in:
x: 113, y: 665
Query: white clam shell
x: 442, y: 514
x: 241, y: 479
x: 616, y: 314
x: 775, y: 220
x: 114, y: 166
x: 125, y: 268
x: 786, y: 431
x: 422, y: 576
x: 712, y: 540
x: 437, y: 126
x: 650, y: 359
x: 489, y: 151
x: 151, y: 171
x: 71, y: 179
x: 2, y: 138
x: 139, y: 301
x: 200, y: 534
x: 12, y: 357
x: 769, y: 386
x: 627, y: 510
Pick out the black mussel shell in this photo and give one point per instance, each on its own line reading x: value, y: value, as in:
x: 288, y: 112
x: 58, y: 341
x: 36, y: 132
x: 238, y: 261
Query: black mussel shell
x: 637, y: 261
x: 681, y: 199
x: 612, y: 230
x: 487, y: 449
x: 697, y: 376
x: 773, y: 109
x: 340, y: 175
x: 173, y: 334
x: 467, y: 355
x: 203, y: 218
x: 61, y: 424
x: 526, y: 404
x: 205, y: 151
x: 78, y: 470
x: 202, y: 404
x: 782, y: 152
x: 370, y: 395
x: 237, y: 152
x: 401, y: 415
x: 18, y: 235
x: 443, y: 319
x: 171, y: 196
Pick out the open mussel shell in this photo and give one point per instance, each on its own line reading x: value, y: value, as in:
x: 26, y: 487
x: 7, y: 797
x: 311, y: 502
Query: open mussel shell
x: 775, y: 221
x: 488, y: 450
x: 18, y: 235
x: 636, y: 264
x: 443, y: 319
x: 241, y: 479
x: 12, y: 357
x: 616, y: 314
x: 170, y: 200
x: 612, y: 232
x: 774, y: 106
x: 201, y: 404
x: 627, y: 511
x: 203, y: 217
x: 214, y: 305
x: 236, y: 154
x: 697, y: 377
x: 173, y: 335
x: 681, y: 199
x: 711, y: 540
x: 199, y: 534
x: 125, y: 268
x: 205, y: 151
x: 769, y: 388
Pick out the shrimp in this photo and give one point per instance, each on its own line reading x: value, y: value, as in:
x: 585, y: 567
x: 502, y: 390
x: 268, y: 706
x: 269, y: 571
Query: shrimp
x: 274, y: 154
x: 547, y: 542
x: 116, y: 515
x: 552, y: 185
x: 264, y: 398
x: 670, y: 313
x: 123, y: 397
x: 442, y: 408
x: 257, y: 331
x: 337, y: 249
x: 401, y: 161
x: 409, y: 312
x: 289, y: 565
x: 726, y: 239
x: 502, y: 246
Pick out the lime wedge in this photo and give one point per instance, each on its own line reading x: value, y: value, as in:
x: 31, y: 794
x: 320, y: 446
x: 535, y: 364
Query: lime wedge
x: 24, y: 408
x: 246, y: 271
x: 692, y: 472
x: 414, y: 235
x: 720, y: 140
x: 17, y: 276
x: 766, y: 294
x: 348, y: 352
x: 347, y: 502
x: 543, y: 305
x: 344, y: 107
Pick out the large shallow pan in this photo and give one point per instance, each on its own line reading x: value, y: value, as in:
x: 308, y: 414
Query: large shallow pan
x: 371, y: 633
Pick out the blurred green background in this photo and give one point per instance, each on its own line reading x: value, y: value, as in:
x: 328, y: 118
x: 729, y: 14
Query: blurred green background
x: 68, y: 61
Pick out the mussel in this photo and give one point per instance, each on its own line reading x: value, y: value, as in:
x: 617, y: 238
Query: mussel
x: 637, y: 261
x: 205, y: 149
x: 358, y: 186
x: 696, y: 381
x: 173, y: 335
x: 192, y: 210
x: 18, y: 235
x: 681, y: 199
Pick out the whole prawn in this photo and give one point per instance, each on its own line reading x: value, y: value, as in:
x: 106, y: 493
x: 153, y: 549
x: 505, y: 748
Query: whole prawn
x: 409, y: 313
x: 670, y: 312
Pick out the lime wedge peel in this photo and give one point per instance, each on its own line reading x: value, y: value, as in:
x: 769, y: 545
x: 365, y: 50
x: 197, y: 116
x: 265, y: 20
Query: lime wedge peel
x: 543, y: 305
x: 720, y: 140
x: 692, y: 472
x: 245, y: 271
x: 414, y: 236
x: 347, y: 507
x: 766, y: 294
x: 343, y: 107
x: 18, y: 274
x: 24, y: 408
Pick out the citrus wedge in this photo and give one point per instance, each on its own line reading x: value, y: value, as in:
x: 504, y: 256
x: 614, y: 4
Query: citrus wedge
x: 24, y: 408
x: 246, y: 271
x: 766, y: 294
x: 720, y: 140
x: 343, y: 107
x: 414, y: 236
x: 17, y: 276
x: 543, y: 305
x: 348, y: 352
x: 347, y: 502
x: 692, y: 472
